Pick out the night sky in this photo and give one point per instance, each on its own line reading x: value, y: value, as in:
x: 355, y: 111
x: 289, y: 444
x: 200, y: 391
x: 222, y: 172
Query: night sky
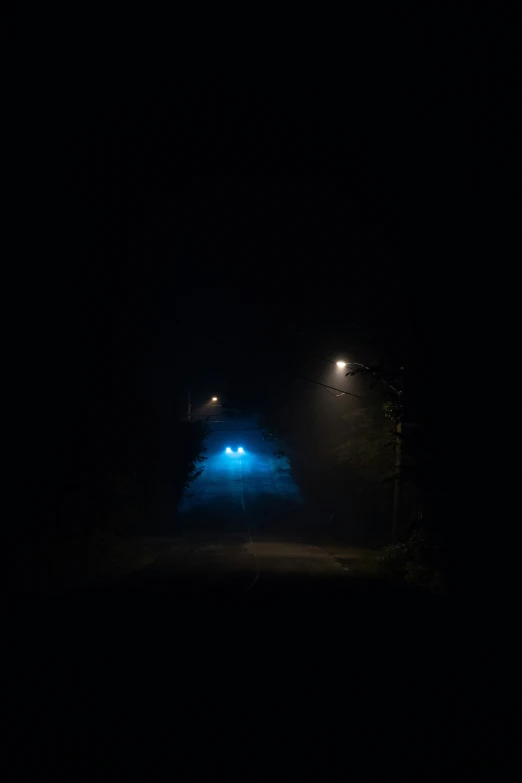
x: 222, y: 270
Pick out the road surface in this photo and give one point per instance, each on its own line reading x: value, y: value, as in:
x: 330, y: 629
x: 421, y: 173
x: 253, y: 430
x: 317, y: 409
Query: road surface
x: 242, y: 527
x: 240, y: 489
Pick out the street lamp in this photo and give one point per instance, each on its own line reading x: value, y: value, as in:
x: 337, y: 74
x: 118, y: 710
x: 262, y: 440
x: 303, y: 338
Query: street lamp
x: 343, y: 364
x: 398, y: 452
x: 214, y: 399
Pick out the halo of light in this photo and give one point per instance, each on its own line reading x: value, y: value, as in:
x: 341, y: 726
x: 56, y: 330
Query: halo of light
x: 341, y: 364
x: 241, y: 450
x: 228, y: 450
x: 214, y: 399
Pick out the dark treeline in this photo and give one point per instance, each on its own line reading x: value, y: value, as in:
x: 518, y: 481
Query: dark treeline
x: 108, y: 444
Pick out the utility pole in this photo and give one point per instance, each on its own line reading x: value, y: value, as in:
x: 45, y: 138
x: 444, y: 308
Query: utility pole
x: 397, y: 488
x: 396, y: 517
x: 398, y: 446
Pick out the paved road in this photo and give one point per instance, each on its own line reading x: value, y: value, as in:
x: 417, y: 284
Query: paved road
x: 242, y: 527
x: 238, y: 490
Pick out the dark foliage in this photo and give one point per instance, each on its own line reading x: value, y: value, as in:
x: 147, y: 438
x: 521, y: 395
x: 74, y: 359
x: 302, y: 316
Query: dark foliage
x: 126, y: 474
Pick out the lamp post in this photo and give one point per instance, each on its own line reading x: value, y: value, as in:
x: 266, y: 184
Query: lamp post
x: 213, y: 400
x: 397, y: 486
x: 398, y: 455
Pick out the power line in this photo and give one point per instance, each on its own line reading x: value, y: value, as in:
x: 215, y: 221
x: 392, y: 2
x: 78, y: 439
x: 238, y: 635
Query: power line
x: 328, y: 387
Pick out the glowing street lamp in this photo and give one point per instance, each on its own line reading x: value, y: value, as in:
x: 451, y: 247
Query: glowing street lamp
x: 341, y: 364
x: 214, y: 399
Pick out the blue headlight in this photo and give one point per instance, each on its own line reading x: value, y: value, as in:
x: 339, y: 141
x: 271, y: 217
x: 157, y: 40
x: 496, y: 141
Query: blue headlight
x: 228, y: 450
x: 240, y: 450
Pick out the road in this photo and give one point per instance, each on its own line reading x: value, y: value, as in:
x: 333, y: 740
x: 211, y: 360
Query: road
x: 243, y: 527
x: 238, y: 490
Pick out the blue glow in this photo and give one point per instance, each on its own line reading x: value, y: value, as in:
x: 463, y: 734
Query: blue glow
x: 237, y: 479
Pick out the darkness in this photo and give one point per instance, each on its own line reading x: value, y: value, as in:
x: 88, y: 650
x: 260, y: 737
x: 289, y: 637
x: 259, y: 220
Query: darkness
x: 271, y: 575
x: 246, y: 287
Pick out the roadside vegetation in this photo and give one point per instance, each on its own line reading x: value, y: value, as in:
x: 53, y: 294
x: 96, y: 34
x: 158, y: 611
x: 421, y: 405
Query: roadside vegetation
x: 103, y: 494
